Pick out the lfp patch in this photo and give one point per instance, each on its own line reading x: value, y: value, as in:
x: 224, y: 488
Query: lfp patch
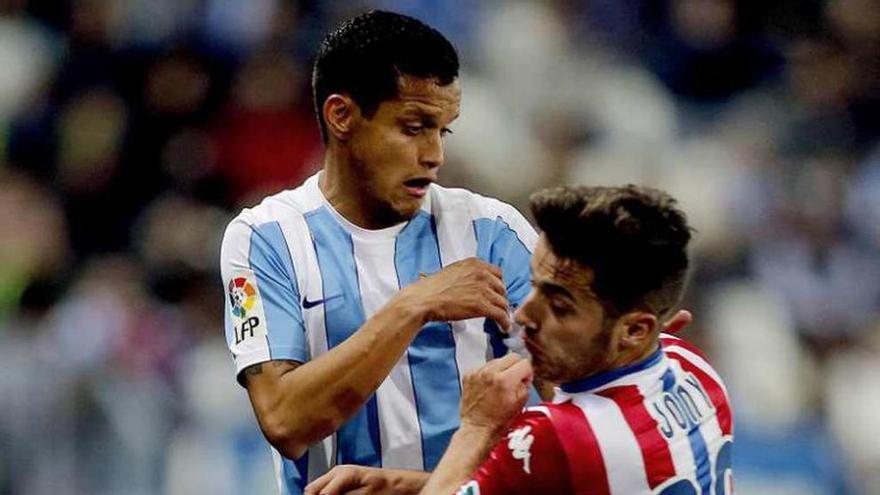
x: 248, y: 318
x: 242, y: 296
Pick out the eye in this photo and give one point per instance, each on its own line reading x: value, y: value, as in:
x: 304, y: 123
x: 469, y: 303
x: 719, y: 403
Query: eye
x: 445, y: 132
x: 413, y: 129
x: 560, y: 308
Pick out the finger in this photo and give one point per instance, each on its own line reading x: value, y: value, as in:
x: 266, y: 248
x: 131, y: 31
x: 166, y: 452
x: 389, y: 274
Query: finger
x: 498, y: 315
x: 314, y: 488
x: 336, y: 486
x: 498, y: 301
x: 496, y: 282
x: 678, y: 322
x: 496, y: 270
x: 518, y: 372
x: 502, y: 363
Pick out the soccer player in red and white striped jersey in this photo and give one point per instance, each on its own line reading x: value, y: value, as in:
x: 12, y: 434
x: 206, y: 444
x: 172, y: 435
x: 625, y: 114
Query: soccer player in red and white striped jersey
x: 662, y: 425
x: 636, y: 411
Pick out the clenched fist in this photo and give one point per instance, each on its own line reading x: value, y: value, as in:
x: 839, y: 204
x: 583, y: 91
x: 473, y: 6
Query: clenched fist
x: 493, y: 394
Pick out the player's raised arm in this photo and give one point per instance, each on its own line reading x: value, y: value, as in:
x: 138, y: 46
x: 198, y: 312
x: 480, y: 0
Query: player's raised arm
x: 297, y: 405
x: 491, y: 397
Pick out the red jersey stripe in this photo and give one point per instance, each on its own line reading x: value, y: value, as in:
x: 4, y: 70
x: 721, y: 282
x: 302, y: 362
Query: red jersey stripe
x: 585, y: 462
x: 655, y: 450
x: 667, y: 340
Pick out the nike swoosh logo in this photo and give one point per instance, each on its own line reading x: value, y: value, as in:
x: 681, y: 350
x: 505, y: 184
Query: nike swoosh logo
x: 311, y: 304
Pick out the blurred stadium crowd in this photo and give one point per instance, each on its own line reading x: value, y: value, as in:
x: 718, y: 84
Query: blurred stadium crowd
x: 131, y: 131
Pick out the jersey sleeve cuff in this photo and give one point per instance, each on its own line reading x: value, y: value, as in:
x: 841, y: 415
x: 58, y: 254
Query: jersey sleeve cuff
x: 280, y: 353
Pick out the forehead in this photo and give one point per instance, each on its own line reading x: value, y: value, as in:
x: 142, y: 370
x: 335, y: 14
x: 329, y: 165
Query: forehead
x: 564, y: 272
x: 424, y: 95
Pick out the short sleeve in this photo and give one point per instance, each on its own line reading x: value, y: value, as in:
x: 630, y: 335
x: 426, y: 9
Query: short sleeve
x: 263, y: 315
x: 508, y: 240
x: 528, y: 460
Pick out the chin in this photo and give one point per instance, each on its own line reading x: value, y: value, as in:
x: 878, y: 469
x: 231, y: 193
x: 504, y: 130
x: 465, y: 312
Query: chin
x: 407, y: 211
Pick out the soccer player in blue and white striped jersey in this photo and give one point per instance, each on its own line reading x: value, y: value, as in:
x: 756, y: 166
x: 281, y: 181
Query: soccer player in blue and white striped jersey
x: 356, y: 302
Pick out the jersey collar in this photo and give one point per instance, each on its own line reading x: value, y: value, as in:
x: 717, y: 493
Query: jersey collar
x: 606, y: 377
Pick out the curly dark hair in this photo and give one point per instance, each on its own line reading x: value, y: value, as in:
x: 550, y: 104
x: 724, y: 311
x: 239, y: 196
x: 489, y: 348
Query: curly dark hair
x: 365, y: 55
x: 633, y: 238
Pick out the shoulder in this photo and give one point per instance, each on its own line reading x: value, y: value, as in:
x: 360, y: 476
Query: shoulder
x: 286, y: 207
x: 479, y: 206
x: 692, y: 361
x: 485, y: 213
x: 672, y: 344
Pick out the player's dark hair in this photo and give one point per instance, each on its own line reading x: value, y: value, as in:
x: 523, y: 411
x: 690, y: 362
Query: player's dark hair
x: 633, y: 238
x: 364, y: 57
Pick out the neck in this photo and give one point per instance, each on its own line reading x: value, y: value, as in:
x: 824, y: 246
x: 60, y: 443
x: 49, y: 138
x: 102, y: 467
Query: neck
x: 345, y: 191
x: 626, y: 358
x: 597, y: 379
x: 635, y: 355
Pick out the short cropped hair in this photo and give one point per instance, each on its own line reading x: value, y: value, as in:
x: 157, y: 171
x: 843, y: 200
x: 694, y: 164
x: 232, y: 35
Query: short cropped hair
x: 633, y: 238
x: 364, y: 57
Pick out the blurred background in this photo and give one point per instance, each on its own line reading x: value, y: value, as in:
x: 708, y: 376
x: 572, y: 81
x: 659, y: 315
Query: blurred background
x: 131, y: 131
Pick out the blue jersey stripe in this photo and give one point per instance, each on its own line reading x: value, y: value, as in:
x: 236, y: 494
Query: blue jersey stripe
x: 358, y: 439
x: 295, y: 475
x: 498, y: 244
x: 695, y: 438
x: 432, y: 353
x: 269, y: 258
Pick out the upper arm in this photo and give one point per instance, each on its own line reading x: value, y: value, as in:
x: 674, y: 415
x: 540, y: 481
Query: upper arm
x: 261, y: 381
x: 529, y: 459
x: 263, y: 315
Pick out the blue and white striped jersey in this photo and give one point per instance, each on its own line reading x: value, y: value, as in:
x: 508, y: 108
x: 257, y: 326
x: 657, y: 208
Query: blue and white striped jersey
x: 300, y: 279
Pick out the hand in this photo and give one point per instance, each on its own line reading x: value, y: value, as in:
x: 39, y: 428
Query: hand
x: 350, y: 479
x: 493, y: 394
x: 678, y: 322
x: 468, y: 288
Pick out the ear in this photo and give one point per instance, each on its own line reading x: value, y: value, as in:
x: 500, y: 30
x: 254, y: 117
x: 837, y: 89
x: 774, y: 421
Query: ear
x: 637, y: 329
x: 340, y: 114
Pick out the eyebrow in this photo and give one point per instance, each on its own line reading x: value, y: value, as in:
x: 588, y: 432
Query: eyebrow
x: 552, y: 289
x: 414, y: 109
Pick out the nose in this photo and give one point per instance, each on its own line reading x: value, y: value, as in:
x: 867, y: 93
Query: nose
x: 524, y: 313
x: 431, y: 156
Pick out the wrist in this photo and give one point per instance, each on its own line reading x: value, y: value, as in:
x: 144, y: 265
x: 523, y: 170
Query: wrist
x: 409, y: 308
x: 480, y: 432
x: 405, y: 482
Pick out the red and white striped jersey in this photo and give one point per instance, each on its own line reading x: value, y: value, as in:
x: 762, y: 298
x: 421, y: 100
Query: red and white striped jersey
x: 661, y: 426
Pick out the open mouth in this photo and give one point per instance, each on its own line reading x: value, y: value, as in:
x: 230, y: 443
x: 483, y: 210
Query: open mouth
x: 418, y: 186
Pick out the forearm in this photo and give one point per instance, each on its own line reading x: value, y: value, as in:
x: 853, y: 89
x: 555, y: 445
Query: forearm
x: 309, y: 402
x: 469, y: 447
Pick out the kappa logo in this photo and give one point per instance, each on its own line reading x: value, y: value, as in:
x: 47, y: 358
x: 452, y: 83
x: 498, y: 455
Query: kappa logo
x: 520, y: 445
x: 471, y: 488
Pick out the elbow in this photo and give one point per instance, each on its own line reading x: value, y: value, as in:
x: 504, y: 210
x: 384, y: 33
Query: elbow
x: 291, y: 438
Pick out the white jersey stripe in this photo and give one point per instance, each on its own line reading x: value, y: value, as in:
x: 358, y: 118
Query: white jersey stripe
x: 395, y: 396
x: 471, y: 342
x: 616, y: 441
